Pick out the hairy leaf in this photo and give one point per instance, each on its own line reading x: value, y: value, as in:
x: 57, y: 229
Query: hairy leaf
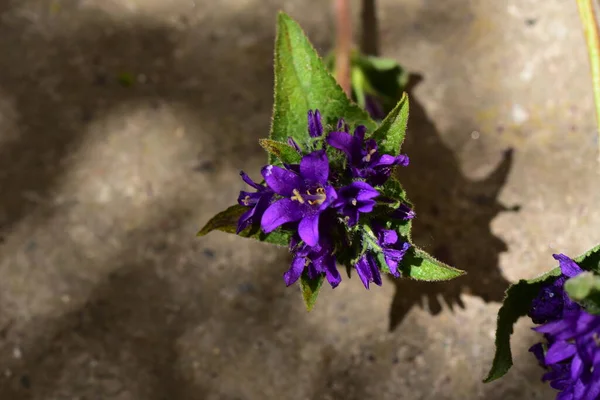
x: 390, y: 134
x: 310, y: 289
x: 302, y: 82
x: 226, y: 221
x: 419, y: 265
x: 283, y: 151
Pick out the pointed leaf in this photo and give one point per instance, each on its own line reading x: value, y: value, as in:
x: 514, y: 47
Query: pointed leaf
x: 310, y: 289
x: 590, y: 260
x: 226, y: 221
x: 516, y: 304
x: 391, y: 132
x: 283, y: 151
x: 302, y: 82
x: 419, y: 265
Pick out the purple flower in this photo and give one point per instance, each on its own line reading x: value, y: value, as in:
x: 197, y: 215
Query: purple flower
x: 573, y: 339
x: 257, y: 201
x: 392, y: 247
x: 354, y: 199
x: 306, y: 194
x: 403, y: 212
x: 315, y: 127
x: 552, y: 299
x: 368, y: 271
x: 316, y: 260
x: 363, y: 158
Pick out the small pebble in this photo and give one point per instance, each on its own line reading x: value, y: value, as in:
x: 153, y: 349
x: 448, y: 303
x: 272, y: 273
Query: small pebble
x: 17, y: 353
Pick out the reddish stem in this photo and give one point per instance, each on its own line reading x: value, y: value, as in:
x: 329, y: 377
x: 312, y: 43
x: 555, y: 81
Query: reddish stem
x: 343, y: 44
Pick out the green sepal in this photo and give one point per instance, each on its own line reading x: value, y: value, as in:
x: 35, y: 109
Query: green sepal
x: 283, y: 151
x: 310, y: 289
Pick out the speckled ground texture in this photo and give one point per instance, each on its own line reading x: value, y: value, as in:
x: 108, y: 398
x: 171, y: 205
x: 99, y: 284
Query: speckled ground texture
x: 106, y: 293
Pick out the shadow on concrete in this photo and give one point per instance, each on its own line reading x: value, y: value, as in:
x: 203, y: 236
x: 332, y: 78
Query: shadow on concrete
x: 129, y: 327
x: 126, y: 339
x: 58, y: 84
x: 454, y: 213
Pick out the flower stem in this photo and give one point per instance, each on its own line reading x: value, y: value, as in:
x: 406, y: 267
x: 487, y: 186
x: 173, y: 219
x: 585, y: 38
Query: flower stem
x: 343, y: 44
x: 369, y: 41
x: 590, y: 28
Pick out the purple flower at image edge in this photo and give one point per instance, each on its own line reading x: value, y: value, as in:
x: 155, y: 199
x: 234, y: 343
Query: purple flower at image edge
x: 257, y: 202
x: 573, y: 339
x: 306, y: 194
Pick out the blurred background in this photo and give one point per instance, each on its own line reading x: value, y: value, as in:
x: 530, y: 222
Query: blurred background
x: 123, y: 126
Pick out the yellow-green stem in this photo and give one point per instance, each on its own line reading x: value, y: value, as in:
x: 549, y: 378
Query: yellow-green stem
x: 590, y: 28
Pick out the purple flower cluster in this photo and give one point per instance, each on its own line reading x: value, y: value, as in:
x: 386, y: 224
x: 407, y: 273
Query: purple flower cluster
x: 322, y: 200
x: 572, y: 349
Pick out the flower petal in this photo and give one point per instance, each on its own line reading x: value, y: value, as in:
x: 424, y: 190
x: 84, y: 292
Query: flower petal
x: 560, y: 351
x: 330, y: 197
x: 364, y: 271
x: 352, y: 214
x: 364, y: 190
x: 387, y: 237
x: 245, y: 220
x: 342, y: 141
x: 280, y: 212
x: 538, y: 351
x: 314, y: 167
x: 375, y: 271
x: 366, y: 206
x: 296, y: 269
x: 576, y: 367
x: 359, y: 132
x: 315, y: 127
x: 309, y: 229
x: 249, y: 181
x: 592, y: 391
x: 567, y: 266
x: 327, y: 264
x: 281, y: 181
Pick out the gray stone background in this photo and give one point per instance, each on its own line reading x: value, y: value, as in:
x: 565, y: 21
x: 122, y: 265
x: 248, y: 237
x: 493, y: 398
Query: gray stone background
x: 105, y: 293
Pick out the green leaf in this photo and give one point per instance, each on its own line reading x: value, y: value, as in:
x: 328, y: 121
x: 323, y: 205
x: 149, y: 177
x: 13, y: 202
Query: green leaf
x: 302, y: 82
x: 310, y: 289
x: 386, y: 78
x: 590, y: 261
x: 226, y: 221
x: 516, y: 304
x: 393, y: 189
x: 378, y: 63
x: 283, y: 151
x: 392, y: 130
x: 585, y: 289
x: 419, y: 265
x: 582, y: 286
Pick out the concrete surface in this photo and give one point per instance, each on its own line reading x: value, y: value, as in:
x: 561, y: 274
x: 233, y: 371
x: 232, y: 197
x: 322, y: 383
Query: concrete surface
x: 106, y: 293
